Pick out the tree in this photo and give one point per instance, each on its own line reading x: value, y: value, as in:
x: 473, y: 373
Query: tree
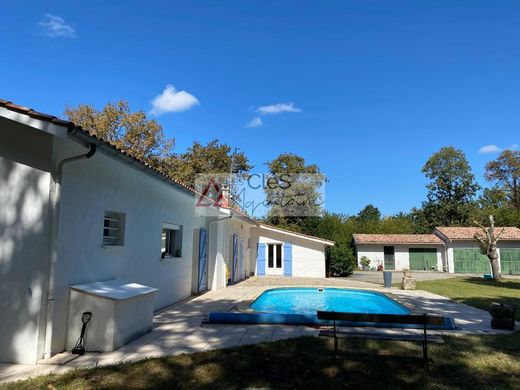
x: 370, y: 213
x: 214, y: 157
x: 131, y: 131
x: 452, y: 188
x: 487, y: 241
x: 293, y: 189
x: 505, y: 172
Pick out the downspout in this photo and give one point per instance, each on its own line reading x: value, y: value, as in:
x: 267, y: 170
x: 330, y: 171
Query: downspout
x: 55, y: 200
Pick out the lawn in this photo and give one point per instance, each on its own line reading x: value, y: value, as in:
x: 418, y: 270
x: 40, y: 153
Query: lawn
x: 476, y: 292
x: 307, y: 363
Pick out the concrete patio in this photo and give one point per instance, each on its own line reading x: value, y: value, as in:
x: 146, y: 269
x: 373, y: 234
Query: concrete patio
x: 177, y: 329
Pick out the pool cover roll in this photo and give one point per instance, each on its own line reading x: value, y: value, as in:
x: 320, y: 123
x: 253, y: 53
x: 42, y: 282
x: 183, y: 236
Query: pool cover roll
x: 261, y: 318
x: 305, y: 319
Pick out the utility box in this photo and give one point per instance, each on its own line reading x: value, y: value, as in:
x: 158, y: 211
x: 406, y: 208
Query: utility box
x: 121, y: 312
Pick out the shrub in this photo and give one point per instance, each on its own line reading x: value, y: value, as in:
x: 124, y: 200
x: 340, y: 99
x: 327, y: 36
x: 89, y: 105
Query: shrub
x: 342, y: 260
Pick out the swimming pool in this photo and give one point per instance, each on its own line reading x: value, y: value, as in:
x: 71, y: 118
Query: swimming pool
x: 303, y: 300
x: 298, y: 306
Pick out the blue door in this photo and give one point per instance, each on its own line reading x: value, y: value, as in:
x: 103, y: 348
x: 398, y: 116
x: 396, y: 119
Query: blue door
x: 203, y: 260
x: 287, y: 259
x: 260, y: 260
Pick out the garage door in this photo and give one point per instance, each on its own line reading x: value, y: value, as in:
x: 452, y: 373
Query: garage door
x: 510, y: 261
x: 422, y: 259
x: 470, y: 261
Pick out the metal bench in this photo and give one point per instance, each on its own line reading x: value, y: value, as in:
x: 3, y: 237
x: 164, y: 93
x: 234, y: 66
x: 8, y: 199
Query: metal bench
x: 405, y: 321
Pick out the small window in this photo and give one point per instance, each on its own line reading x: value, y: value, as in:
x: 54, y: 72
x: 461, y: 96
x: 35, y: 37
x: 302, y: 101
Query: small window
x: 171, y: 241
x: 113, y: 229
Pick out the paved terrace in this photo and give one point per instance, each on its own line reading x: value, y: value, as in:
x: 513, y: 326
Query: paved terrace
x: 177, y: 329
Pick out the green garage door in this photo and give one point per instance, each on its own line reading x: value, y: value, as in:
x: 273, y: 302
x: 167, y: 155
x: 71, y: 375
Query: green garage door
x: 470, y: 261
x: 510, y: 261
x: 422, y: 259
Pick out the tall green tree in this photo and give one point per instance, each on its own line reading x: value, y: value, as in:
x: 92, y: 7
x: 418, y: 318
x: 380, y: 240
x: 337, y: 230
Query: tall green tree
x: 452, y: 188
x: 369, y: 213
x: 213, y: 157
x: 131, y: 131
x: 292, y: 189
x: 504, y: 172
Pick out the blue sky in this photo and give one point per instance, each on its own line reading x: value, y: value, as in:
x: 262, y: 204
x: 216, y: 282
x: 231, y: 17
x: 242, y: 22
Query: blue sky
x: 376, y: 86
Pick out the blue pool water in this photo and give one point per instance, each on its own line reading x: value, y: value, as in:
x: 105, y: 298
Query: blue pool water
x: 309, y: 300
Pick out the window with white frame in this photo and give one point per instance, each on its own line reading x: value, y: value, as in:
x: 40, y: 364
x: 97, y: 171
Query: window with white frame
x: 171, y: 241
x: 113, y: 229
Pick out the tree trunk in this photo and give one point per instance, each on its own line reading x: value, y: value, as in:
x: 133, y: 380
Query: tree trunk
x: 493, y: 258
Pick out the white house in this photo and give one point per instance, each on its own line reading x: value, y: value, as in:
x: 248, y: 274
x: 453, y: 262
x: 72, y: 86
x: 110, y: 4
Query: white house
x: 76, y: 210
x: 449, y: 249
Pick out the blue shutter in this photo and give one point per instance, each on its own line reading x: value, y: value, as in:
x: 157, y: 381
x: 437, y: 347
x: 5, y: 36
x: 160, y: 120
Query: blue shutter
x: 287, y: 259
x: 203, y: 269
x: 260, y: 260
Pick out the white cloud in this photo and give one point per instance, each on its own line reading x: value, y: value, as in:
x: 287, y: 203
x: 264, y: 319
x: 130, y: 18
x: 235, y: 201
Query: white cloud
x: 255, y: 122
x: 171, y: 100
x: 496, y: 149
x: 54, y: 26
x: 277, y: 108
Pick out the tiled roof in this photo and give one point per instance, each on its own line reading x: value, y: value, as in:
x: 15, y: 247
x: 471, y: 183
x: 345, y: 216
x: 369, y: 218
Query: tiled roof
x: 467, y: 233
x: 73, y: 129
x: 269, y: 226
x: 394, y: 239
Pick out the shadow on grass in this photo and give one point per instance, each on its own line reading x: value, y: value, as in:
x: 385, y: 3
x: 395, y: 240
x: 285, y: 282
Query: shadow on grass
x: 308, y: 363
x: 509, y: 284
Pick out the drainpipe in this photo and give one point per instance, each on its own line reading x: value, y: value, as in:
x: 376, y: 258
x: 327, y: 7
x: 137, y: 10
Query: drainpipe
x: 55, y: 198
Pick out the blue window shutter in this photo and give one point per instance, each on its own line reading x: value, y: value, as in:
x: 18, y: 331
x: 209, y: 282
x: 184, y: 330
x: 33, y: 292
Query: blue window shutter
x: 203, y: 269
x: 287, y: 259
x: 260, y: 260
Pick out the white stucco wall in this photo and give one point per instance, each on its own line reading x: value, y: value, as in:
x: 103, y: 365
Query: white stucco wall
x: 91, y: 187
x: 308, y: 257
x: 25, y: 156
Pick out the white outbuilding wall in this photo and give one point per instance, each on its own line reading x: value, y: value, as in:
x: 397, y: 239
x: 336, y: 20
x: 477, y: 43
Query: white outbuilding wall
x: 308, y: 256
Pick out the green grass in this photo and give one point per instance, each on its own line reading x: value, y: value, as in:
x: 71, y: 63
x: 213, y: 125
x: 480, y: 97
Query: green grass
x: 476, y: 292
x: 307, y: 363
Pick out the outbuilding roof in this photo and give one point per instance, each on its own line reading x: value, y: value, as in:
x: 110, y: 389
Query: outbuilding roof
x: 394, y: 239
x: 468, y: 233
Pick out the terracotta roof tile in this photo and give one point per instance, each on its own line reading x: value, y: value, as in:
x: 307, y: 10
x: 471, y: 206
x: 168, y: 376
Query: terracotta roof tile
x: 77, y: 129
x: 467, y: 233
x: 394, y: 239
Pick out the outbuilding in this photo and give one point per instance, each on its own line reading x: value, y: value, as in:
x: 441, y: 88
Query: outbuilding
x: 424, y: 252
x: 448, y: 249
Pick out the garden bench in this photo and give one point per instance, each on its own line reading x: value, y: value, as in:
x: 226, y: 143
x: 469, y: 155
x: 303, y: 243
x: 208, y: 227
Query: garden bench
x: 380, y: 320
